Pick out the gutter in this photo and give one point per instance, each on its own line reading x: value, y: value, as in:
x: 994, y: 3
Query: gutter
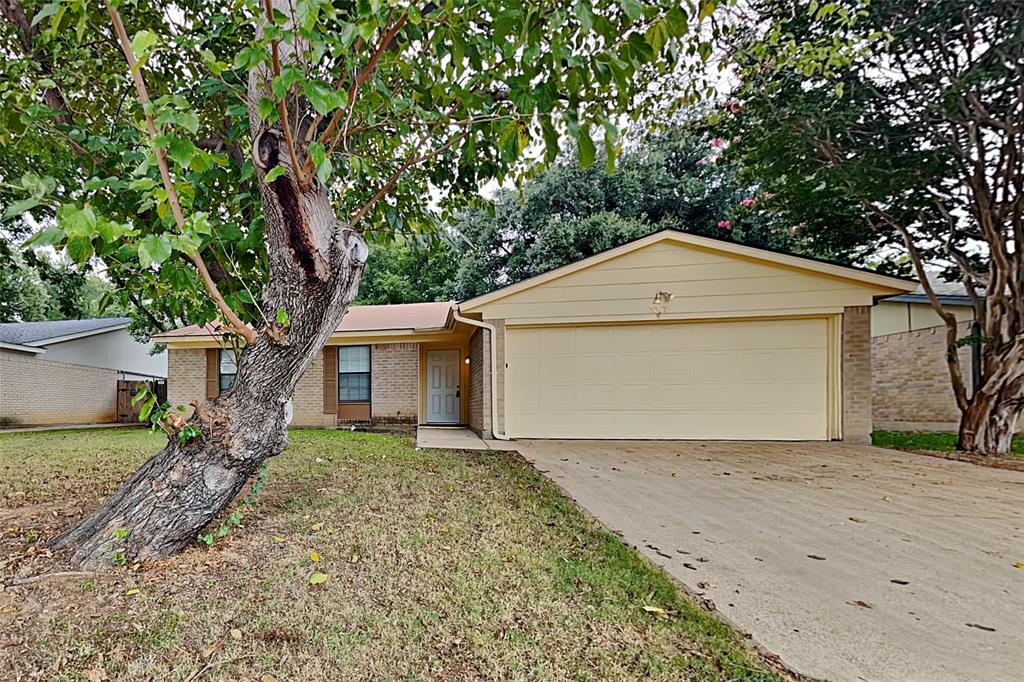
x: 22, y: 348
x: 494, y: 369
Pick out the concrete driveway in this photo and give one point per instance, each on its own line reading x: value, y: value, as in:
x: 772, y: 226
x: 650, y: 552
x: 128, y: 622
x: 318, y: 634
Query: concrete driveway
x: 849, y: 562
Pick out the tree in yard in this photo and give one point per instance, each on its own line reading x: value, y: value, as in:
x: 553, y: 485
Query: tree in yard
x: 224, y: 159
x: 908, y: 115
x: 673, y: 179
x: 409, y: 271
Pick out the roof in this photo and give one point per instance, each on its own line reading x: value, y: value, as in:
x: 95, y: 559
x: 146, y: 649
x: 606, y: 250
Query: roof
x: 868, y: 277
x: 35, y: 334
x: 360, y: 318
x: 949, y: 293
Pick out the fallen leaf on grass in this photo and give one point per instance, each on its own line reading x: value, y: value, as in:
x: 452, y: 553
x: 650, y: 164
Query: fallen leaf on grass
x: 132, y: 592
x: 236, y: 633
x: 314, y: 556
x: 268, y: 678
x: 653, y: 609
x: 354, y: 559
x: 317, y: 578
x: 315, y: 527
x: 280, y: 538
x: 96, y: 675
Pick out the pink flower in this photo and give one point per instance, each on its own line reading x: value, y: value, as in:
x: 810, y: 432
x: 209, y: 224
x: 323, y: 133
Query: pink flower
x: 717, y: 143
x: 725, y: 224
x: 702, y: 162
x: 747, y: 203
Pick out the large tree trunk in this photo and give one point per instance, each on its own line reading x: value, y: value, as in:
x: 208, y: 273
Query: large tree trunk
x: 315, y: 265
x: 989, y: 421
x: 167, y: 502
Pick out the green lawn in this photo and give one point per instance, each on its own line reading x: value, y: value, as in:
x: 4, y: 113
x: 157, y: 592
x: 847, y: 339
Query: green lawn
x: 440, y: 565
x: 936, y: 442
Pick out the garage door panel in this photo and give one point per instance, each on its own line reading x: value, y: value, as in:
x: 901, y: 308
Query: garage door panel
x: 714, y: 380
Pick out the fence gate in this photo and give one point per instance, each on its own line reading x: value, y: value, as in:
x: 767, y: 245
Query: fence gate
x: 128, y: 413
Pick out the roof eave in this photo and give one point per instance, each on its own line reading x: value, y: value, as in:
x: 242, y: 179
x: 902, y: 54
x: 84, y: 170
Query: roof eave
x: 893, y: 284
x: 80, y: 335
x: 21, y: 348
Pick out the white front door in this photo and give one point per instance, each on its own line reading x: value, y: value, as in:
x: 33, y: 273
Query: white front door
x: 443, y: 387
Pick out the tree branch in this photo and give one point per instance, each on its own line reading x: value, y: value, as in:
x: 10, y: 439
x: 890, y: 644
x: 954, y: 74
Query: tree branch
x: 282, y: 110
x: 363, y: 76
x: 409, y: 162
x: 230, y: 315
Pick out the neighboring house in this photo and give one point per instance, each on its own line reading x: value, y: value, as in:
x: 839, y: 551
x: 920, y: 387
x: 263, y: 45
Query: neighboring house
x: 670, y: 336
x: 910, y: 379
x: 68, y: 371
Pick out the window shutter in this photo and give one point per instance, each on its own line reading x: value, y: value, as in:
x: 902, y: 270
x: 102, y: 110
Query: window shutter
x: 330, y: 379
x: 212, y: 373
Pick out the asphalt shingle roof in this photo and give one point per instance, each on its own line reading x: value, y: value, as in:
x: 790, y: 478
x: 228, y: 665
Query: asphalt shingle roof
x: 24, y: 333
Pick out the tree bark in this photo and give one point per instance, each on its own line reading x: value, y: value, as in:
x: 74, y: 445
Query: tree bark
x: 316, y: 263
x: 989, y: 421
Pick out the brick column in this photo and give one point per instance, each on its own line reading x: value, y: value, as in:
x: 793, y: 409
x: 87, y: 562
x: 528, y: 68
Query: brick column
x: 186, y: 377
x: 856, y: 369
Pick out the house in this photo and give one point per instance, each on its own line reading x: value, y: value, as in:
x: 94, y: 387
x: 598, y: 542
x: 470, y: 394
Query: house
x: 670, y: 336
x: 910, y: 379
x: 71, y: 371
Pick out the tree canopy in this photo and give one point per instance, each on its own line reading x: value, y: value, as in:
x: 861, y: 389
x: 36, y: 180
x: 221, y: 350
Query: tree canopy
x: 396, y: 102
x: 899, y: 125
x: 226, y: 162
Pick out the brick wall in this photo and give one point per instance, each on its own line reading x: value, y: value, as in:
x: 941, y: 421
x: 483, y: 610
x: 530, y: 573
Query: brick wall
x: 34, y: 391
x: 395, y: 382
x: 186, y: 376
x: 308, y: 400
x: 480, y: 383
x: 910, y: 381
x: 856, y: 370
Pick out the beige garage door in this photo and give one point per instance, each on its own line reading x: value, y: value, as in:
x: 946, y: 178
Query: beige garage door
x: 708, y: 380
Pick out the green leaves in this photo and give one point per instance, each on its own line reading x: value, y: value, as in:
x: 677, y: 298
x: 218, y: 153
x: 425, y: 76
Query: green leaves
x: 274, y: 173
x: 181, y: 151
x: 154, y: 250
x: 142, y: 43
x: 323, y: 97
x: 36, y: 187
x: 587, y: 150
x: 633, y: 9
x: 282, y: 319
x: 321, y: 161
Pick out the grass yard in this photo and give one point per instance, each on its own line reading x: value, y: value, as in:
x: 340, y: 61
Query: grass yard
x: 944, y: 445
x: 439, y: 565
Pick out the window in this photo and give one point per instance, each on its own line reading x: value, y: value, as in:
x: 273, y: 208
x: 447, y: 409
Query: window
x: 353, y: 374
x: 228, y: 368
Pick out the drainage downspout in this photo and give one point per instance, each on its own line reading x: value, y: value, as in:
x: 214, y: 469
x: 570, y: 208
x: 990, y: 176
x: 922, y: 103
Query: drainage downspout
x: 494, y: 369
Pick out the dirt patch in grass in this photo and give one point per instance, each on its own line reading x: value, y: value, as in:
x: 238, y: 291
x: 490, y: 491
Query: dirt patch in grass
x: 943, y: 445
x: 439, y: 565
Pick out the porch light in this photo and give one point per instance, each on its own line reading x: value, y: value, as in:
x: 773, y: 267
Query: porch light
x: 467, y: 360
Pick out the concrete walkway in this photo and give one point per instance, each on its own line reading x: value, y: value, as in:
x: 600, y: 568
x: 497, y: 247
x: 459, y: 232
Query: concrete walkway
x: 850, y: 562
x: 456, y: 438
